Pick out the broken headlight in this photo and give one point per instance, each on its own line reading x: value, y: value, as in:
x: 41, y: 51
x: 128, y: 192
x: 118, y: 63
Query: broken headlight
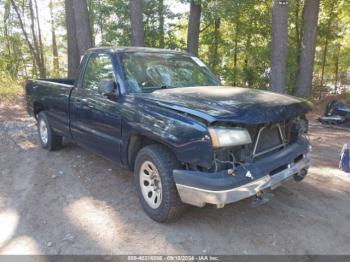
x: 227, y: 137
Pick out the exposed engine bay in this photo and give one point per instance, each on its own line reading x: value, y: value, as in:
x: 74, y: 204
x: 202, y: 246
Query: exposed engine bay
x: 267, y: 139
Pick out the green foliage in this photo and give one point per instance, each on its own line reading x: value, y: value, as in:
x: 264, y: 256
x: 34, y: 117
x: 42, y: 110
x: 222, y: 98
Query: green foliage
x: 333, y: 46
x: 234, y: 39
x: 9, y: 88
x: 112, y: 23
x: 13, y: 50
x: 344, y: 96
x: 244, y: 33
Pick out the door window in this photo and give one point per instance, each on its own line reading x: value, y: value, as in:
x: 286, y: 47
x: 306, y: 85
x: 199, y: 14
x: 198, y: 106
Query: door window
x: 99, y: 68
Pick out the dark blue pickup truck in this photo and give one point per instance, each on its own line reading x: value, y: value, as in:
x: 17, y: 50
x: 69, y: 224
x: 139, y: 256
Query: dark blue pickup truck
x: 166, y: 117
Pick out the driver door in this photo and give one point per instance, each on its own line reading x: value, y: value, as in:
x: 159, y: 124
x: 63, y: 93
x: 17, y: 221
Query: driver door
x: 96, y: 119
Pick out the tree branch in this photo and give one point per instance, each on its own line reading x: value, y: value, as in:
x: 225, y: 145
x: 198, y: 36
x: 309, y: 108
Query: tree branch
x: 22, y: 27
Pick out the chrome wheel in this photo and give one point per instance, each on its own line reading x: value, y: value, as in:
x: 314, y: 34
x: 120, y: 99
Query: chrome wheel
x: 151, y: 185
x: 43, y: 131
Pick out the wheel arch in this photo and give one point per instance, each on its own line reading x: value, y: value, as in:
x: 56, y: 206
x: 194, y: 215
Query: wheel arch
x: 37, y: 108
x: 137, y: 142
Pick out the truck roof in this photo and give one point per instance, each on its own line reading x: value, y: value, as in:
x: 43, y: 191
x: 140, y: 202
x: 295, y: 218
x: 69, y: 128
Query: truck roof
x: 125, y: 49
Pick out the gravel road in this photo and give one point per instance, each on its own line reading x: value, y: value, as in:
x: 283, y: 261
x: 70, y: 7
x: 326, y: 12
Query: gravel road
x: 74, y: 202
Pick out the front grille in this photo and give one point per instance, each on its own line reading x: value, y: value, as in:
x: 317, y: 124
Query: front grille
x: 266, y: 139
x: 269, y: 138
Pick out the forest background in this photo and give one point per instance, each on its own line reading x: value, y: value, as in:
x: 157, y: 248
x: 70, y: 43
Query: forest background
x: 299, y: 47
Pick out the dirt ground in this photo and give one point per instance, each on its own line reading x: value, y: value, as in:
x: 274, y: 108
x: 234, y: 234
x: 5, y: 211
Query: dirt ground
x: 74, y: 202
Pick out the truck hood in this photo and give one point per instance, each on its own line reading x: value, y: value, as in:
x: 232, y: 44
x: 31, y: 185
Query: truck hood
x: 230, y: 104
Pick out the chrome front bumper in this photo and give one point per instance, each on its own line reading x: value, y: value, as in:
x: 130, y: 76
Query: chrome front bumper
x: 199, y: 197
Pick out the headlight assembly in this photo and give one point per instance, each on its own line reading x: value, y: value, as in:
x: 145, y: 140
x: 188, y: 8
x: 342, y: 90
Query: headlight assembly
x: 225, y: 137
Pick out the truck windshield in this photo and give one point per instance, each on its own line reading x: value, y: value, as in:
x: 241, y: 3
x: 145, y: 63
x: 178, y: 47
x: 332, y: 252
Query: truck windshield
x: 147, y: 72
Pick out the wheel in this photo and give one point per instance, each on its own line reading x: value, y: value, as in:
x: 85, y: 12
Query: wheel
x: 48, y: 139
x: 156, y: 188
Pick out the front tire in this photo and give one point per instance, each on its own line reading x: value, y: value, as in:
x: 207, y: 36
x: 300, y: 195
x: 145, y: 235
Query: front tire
x: 49, y: 140
x: 156, y: 188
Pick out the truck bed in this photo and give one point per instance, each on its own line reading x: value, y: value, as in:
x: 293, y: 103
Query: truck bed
x: 52, y: 94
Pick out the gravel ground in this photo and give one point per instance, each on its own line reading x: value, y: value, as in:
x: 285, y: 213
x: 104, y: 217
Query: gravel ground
x: 74, y: 202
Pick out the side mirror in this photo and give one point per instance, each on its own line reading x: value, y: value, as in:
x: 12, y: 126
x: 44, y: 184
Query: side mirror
x: 108, y: 88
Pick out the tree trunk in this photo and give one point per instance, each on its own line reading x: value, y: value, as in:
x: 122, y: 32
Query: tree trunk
x: 72, y: 47
x: 100, y: 22
x: 32, y: 26
x: 336, y: 69
x: 298, y: 34
x: 214, y: 50
x: 235, y: 54
x: 92, y: 20
x: 33, y: 49
x: 307, y: 56
x: 38, y: 52
x: 161, y: 23
x: 79, y: 34
x: 279, y: 47
x: 325, y: 50
x: 55, y: 61
x: 324, y: 60
x: 34, y: 69
x: 248, y: 80
x: 136, y: 19
x: 6, y: 27
x: 41, y: 46
x: 194, y: 27
x: 297, y: 25
x: 82, y: 26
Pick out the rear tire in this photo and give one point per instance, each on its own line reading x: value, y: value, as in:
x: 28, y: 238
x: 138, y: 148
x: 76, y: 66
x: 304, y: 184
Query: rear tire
x: 155, y: 184
x: 49, y: 140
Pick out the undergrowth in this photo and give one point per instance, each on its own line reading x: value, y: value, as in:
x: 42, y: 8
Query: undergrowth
x: 10, y: 89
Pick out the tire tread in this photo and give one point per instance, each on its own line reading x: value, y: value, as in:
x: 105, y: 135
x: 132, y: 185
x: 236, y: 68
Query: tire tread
x: 54, y: 140
x: 165, y: 162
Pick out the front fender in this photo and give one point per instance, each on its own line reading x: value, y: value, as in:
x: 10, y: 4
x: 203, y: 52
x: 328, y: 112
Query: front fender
x: 187, y: 137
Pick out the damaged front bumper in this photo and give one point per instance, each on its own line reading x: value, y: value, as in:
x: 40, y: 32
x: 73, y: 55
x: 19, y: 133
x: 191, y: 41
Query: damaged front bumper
x: 200, y: 188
